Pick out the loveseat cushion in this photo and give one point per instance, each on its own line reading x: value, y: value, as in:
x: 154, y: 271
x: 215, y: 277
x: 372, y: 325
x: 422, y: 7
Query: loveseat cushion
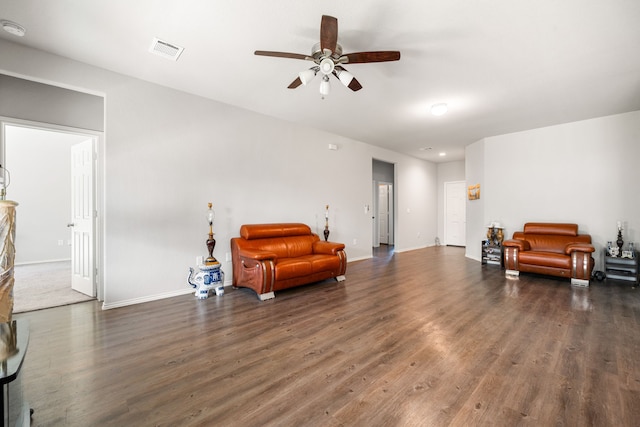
x: 289, y: 268
x: 547, y: 259
x: 283, y: 247
x: 556, y: 243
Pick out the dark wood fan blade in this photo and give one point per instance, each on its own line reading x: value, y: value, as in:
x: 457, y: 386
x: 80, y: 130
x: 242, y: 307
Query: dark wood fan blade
x: 361, y: 57
x: 294, y: 84
x: 328, y: 33
x: 282, y: 54
x: 355, y: 85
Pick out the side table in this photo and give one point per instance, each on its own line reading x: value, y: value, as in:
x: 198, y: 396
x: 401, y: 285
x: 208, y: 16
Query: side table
x: 14, y: 339
x: 623, y: 269
x: 492, y: 254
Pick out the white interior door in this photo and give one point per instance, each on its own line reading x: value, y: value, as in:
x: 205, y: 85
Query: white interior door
x: 82, y: 218
x: 455, y: 213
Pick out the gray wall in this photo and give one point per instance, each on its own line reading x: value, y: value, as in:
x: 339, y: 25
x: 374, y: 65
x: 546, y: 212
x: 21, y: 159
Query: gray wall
x: 167, y: 153
x: 45, y: 103
x: 582, y: 172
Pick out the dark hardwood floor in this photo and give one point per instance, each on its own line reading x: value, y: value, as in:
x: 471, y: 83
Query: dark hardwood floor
x: 421, y: 338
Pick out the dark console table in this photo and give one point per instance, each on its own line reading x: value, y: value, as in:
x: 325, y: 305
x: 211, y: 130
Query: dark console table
x: 14, y: 339
x: 492, y: 254
x: 624, y: 269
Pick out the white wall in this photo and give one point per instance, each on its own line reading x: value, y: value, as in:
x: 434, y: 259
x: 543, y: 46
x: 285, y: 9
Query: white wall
x: 168, y: 153
x: 475, y: 174
x: 583, y: 172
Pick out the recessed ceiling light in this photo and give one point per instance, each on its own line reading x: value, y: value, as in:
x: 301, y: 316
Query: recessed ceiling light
x: 443, y: 154
x: 439, y: 109
x: 13, y: 28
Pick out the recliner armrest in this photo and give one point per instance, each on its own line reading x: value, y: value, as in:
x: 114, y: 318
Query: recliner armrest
x: 328, y: 248
x: 522, y: 245
x: 579, y: 247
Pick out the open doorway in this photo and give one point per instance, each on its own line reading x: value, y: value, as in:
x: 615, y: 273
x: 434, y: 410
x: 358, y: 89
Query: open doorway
x: 383, y: 209
x: 55, y: 257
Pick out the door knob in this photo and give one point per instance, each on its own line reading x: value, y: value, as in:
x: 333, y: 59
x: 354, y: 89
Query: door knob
x: 70, y: 224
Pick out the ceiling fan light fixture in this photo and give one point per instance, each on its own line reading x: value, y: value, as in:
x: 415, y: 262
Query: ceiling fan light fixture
x: 326, y: 66
x: 439, y: 109
x: 325, y: 86
x: 307, y: 75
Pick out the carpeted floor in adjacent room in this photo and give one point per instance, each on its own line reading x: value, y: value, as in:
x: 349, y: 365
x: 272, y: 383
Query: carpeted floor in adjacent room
x: 44, y: 285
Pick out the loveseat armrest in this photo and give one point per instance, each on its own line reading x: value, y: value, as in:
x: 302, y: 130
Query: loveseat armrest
x: 521, y: 245
x: 328, y: 248
x: 579, y: 247
x: 257, y: 255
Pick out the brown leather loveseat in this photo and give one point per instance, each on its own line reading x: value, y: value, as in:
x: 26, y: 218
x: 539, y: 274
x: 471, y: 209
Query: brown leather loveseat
x: 272, y: 257
x: 552, y: 249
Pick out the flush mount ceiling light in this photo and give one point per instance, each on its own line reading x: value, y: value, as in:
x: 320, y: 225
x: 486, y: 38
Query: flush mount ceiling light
x: 13, y: 28
x: 439, y: 109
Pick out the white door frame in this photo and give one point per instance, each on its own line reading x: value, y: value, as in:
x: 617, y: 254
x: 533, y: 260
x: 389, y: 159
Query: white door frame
x: 98, y: 137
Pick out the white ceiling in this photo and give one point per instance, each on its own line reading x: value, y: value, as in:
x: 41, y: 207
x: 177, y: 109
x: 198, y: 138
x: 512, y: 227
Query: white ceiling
x: 501, y: 65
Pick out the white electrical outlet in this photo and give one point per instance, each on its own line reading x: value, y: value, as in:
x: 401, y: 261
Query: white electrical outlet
x: 60, y: 242
x: 228, y: 256
x: 355, y: 242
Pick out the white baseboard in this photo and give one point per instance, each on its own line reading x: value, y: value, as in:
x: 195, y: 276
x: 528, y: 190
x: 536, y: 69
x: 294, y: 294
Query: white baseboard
x: 149, y: 298
x: 43, y: 262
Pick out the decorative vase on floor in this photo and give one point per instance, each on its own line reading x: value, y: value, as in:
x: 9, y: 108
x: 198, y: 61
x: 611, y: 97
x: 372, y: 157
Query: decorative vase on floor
x: 7, y: 257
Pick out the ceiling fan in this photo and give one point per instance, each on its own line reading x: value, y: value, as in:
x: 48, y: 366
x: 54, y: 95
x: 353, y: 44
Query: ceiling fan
x: 328, y: 59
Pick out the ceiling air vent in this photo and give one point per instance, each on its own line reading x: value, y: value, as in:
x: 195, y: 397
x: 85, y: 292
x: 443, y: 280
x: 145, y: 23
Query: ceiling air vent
x: 166, y: 50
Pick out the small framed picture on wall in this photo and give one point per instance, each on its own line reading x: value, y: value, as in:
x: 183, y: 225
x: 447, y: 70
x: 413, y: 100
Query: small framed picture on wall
x: 474, y: 192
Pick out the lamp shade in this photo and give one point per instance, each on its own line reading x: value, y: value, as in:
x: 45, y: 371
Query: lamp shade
x: 345, y: 77
x: 211, y: 215
x: 307, y: 75
x: 325, y: 86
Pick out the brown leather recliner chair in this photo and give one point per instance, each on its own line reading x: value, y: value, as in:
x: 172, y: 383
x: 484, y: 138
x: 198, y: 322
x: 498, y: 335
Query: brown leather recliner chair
x: 552, y: 249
